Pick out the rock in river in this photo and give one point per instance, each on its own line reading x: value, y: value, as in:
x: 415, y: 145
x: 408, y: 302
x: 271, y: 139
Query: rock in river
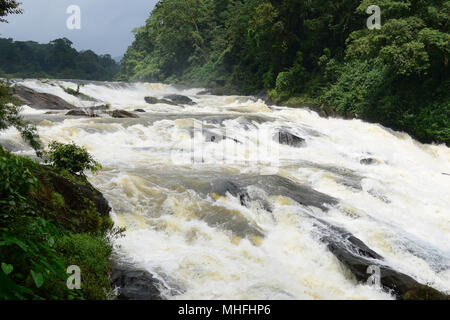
x: 38, y: 100
x: 180, y: 99
x: 123, y: 114
x: 289, y: 139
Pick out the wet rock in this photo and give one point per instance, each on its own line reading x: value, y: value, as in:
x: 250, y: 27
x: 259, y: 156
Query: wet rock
x: 180, y: 99
x: 78, y: 113
x: 286, y: 138
x: 151, y: 100
x: 303, y: 194
x: 123, y: 114
x: 368, y: 161
x: 139, y: 110
x: 38, y: 100
x: 221, y: 187
x: 134, y: 284
x: 358, y: 257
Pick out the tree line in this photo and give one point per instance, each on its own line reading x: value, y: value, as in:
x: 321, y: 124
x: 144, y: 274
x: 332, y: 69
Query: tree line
x: 308, y: 51
x: 57, y: 59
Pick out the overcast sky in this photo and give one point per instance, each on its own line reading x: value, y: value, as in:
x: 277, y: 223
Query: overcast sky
x: 106, y: 25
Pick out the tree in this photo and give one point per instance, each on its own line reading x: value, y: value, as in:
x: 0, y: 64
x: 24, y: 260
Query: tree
x: 10, y: 117
x: 8, y: 7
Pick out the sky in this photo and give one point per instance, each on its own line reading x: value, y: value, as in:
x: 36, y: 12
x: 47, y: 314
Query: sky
x: 106, y: 25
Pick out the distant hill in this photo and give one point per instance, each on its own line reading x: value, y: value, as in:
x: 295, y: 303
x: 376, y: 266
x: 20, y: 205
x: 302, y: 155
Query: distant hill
x: 57, y: 59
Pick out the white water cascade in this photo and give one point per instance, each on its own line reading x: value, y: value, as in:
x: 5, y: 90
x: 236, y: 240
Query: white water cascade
x: 205, y: 245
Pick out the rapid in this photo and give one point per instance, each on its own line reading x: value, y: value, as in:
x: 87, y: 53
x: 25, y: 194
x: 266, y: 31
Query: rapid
x: 165, y: 174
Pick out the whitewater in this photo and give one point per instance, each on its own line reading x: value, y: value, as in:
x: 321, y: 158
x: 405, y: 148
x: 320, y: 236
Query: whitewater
x: 162, y: 174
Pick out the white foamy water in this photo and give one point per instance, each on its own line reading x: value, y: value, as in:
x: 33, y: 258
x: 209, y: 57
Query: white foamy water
x: 203, y: 245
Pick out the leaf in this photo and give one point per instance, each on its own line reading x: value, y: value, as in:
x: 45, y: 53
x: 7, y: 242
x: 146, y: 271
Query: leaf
x: 7, y: 268
x: 38, y: 278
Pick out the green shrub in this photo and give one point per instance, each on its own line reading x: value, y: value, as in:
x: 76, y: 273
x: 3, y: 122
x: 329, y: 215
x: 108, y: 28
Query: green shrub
x: 91, y: 254
x: 71, y: 157
x: 16, y: 179
x: 30, y: 266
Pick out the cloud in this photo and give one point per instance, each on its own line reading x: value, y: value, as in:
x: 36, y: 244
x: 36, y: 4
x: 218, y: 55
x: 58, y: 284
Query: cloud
x: 105, y: 24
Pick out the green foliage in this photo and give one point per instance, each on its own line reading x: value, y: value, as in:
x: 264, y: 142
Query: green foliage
x: 314, y: 50
x: 36, y: 247
x: 31, y: 268
x: 56, y: 59
x: 8, y: 7
x: 10, y: 117
x: 71, y: 157
x: 91, y: 255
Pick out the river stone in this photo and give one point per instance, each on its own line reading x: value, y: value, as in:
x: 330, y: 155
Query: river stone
x: 134, y: 284
x: 151, y: 100
x: 123, y: 114
x: 358, y: 257
x: 38, y: 100
x: 286, y: 138
x: 180, y: 99
x: 78, y: 113
x: 368, y: 161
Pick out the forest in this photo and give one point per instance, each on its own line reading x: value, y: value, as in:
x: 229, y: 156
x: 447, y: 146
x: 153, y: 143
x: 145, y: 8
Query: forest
x: 308, y: 52
x: 57, y: 59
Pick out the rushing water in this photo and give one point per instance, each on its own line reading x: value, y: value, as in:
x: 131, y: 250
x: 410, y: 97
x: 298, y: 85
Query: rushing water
x: 205, y: 245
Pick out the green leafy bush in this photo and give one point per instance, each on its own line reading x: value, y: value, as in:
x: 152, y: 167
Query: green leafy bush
x: 91, y: 255
x: 71, y: 157
x: 30, y: 266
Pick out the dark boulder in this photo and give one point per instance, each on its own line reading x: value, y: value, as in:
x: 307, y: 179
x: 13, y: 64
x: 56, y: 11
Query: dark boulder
x: 368, y: 161
x: 123, y: 114
x: 134, y: 284
x: 139, y: 110
x: 38, y: 100
x: 358, y: 257
x: 78, y: 113
x: 286, y: 138
x: 151, y: 100
x: 180, y: 99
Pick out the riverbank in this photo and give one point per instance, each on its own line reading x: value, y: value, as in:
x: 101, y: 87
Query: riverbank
x: 52, y: 219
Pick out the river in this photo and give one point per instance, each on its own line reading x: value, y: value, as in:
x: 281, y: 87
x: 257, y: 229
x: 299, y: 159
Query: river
x: 166, y: 173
